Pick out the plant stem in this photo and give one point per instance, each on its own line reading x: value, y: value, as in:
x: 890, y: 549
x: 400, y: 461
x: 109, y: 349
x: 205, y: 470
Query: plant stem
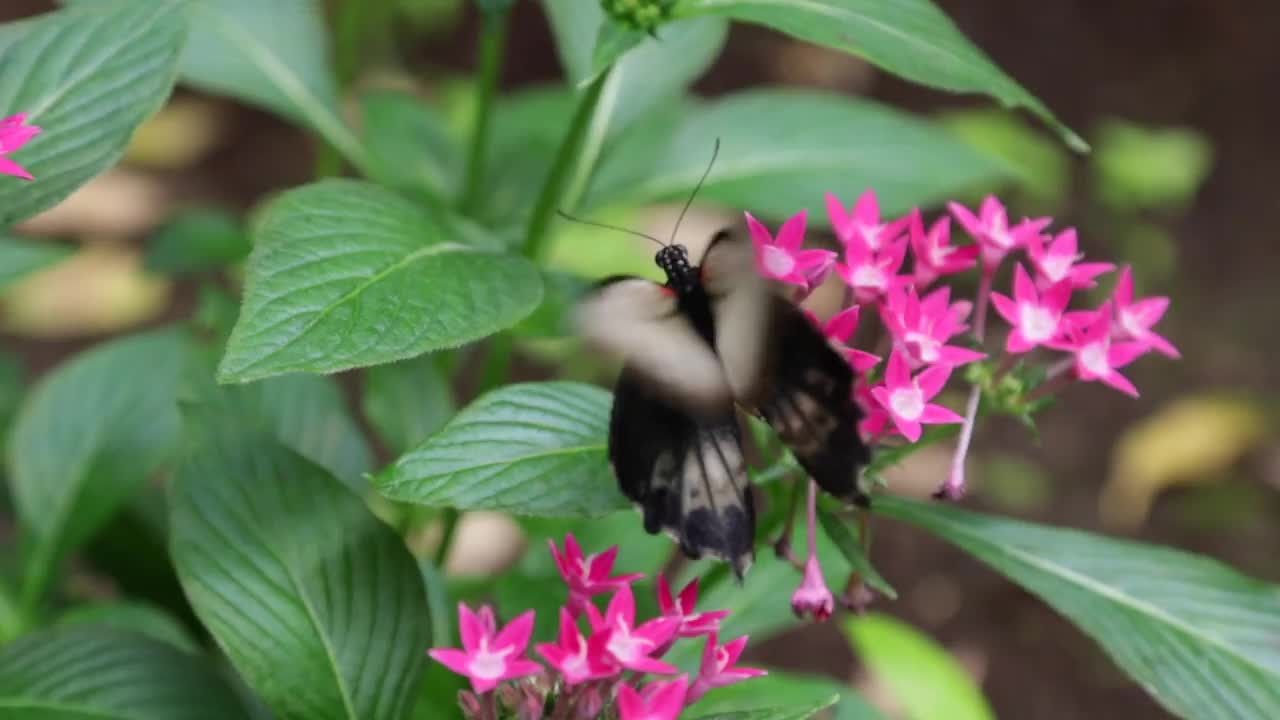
x: 954, y: 487
x: 558, y: 178
x: 449, y: 528
x: 493, y: 41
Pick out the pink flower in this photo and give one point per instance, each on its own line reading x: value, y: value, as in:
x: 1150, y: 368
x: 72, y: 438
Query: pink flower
x: 575, y: 658
x: 489, y: 657
x: 657, y: 701
x: 719, y: 667
x: 839, y: 329
x: 921, y: 328
x: 813, y: 597
x: 692, y: 624
x: 782, y: 259
x: 935, y: 255
x: 863, y: 226
x: 869, y: 272
x: 1061, y: 261
x: 14, y: 133
x: 875, y: 418
x: 1097, y: 357
x: 587, y: 576
x: 1036, y: 316
x: 628, y: 645
x: 907, y: 399
x: 1134, y: 319
x: 991, y: 229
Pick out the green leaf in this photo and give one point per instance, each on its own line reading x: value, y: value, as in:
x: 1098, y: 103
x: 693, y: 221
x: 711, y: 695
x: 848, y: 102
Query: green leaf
x: 923, y: 677
x: 775, y: 713
x: 1138, y: 168
x: 1203, y: 639
x: 99, y: 673
x: 768, y: 167
x: 88, y: 437
x: 140, y: 618
x: 19, y: 258
x: 409, y: 144
x: 910, y: 38
x: 344, y: 274
x: 88, y: 76
x: 853, y: 551
x: 12, y: 386
x: 785, y: 689
x: 274, y: 55
x: 531, y: 449
x: 407, y: 401
x: 319, y: 606
x: 197, y: 240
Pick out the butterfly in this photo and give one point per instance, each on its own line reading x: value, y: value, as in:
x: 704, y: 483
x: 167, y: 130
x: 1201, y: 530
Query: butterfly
x: 715, y: 339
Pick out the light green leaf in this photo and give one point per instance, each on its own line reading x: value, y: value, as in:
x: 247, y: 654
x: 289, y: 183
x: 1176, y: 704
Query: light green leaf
x: 766, y: 166
x: 271, y: 54
x: 409, y: 144
x: 407, y: 401
x: 136, y: 617
x: 923, y: 677
x: 344, y: 274
x: 99, y: 673
x: 910, y: 38
x: 853, y: 551
x: 88, y: 76
x: 531, y: 449
x: 802, y: 712
x: 19, y: 258
x: 319, y: 606
x: 782, y: 689
x: 87, y: 437
x: 197, y: 240
x: 1203, y: 639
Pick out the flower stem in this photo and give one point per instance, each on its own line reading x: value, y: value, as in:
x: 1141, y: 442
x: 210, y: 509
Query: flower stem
x: 558, y: 178
x: 811, y: 510
x: 954, y: 487
x: 493, y: 41
x: 1052, y: 385
x: 449, y: 528
x: 782, y: 546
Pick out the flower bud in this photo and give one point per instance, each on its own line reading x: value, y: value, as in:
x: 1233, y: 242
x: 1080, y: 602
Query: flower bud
x: 642, y: 15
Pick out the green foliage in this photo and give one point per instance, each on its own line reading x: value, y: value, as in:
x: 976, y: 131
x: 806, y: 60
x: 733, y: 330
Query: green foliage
x: 1139, y: 168
x: 197, y: 240
x: 19, y: 258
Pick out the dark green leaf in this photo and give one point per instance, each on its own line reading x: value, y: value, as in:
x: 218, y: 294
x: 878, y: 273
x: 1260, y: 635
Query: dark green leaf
x: 196, y: 241
x: 853, y: 551
x: 1203, y: 639
x: 802, y: 712
x: 19, y: 258
x: 531, y: 449
x: 99, y: 673
x: 407, y: 401
x: 772, y: 170
x: 345, y: 273
x: 911, y: 38
x: 409, y: 144
x: 782, y: 689
x: 88, y: 76
x: 12, y: 382
x: 134, y: 617
x: 318, y: 604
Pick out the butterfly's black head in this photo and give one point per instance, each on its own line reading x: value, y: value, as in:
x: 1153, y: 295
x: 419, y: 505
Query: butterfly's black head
x: 674, y: 261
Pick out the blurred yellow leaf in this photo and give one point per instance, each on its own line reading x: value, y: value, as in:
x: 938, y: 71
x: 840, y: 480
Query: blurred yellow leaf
x: 1192, y: 440
x: 177, y: 136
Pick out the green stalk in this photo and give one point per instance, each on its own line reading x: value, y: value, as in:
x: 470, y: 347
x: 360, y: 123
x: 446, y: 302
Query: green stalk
x: 562, y: 169
x: 493, y: 41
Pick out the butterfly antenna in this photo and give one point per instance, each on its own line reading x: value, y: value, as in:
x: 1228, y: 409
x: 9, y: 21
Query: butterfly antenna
x: 628, y: 231
x: 714, y: 152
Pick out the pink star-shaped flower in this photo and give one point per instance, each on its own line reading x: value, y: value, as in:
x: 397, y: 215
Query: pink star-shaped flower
x: 863, y: 225
x: 575, y: 658
x: 587, y: 576
x: 1061, y: 261
x: 719, y: 667
x: 921, y: 328
x: 489, y: 657
x: 656, y: 701
x: 1098, y: 357
x: 839, y: 329
x: 14, y: 133
x: 630, y: 646
x: 991, y: 229
x: 692, y: 624
x: 1036, y: 316
x: 907, y: 398
x: 813, y: 597
x: 934, y: 254
x: 875, y: 418
x: 1135, y: 318
x: 782, y: 259
x: 871, y: 273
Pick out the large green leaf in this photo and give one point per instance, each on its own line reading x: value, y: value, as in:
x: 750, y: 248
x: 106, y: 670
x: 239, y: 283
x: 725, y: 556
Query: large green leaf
x: 782, y: 689
x: 793, y: 712
x: 911, y: 38
x: 272, y: 54
x: 88, y: 76
x: 768, y: 167
x: 100, y: 673
x: 410, y: 144
x: 197, y: 240
x: 1203, y: 639
x: 344, y: 273
x: 407, y: 401
x: 531, y: 449
x: 136, y: 617
x: 318, y: 604
x: 87, y: 437
x: 19, y: 258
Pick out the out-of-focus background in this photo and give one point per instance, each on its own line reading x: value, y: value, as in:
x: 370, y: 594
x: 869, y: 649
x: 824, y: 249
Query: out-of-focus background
x: 1179, y: 101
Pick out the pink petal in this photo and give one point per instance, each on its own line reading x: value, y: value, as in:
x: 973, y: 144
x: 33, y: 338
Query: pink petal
x: 843, y: 324
x: 733, y: 650
x: 9, y: 167
x: 1148, y: 311
x: 809, y: 261
x: 572, y: 550
x: 1024, y: 290
x: 666, y: 602
x: 516, y: 634
x: 898, y: 374
x: 1083, y: 274
x: 966, y: 219
x: 881, y: 395
x: 452, y: 658
x: 659, y: 630
x: 791, y: 235
x: 760, y: 235
x: 666, y: 700
x: 1161, y: 345
x: 521, y: 667
x: 991, y: 209
x: 1121, y: 383
x: 1065, y: 243
x: 689, y: 597
x: 623, y: 605
x: 1058, y: 296
x: 893, y: 255
x: 867, y: 209
x: 841, y: 222
x: 1123, y: 294
x: 630, y: 705
x: 1007, y: 308
x: 860, y: 360
x: 910, y: 429
x: 472, y: 627
x: 1017, y: 342
x: 957, y: 356
x: 939, y: 415
x: 599, y: 566
x: 932, y: 380
x: 1123, y: 353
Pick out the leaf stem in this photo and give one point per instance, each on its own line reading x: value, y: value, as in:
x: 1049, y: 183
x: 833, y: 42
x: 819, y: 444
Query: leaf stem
x: 955, y: 485
x: 493, y: 42
x: 449, y: 524
x: 558, y: 178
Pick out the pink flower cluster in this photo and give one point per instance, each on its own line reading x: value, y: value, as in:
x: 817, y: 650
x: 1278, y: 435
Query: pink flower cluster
x: 14, y: 133
x: 585, y: 676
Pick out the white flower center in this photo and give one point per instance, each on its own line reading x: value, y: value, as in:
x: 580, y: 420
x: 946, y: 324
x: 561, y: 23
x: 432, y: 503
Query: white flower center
x: 871, y: 233
x: 627, y: 647
x: 486, y: 664
x: 938, y: 254
x: 907, y: 403
x: 1056, y: 267
x: 1094, y: 358
x: 923, y: 346
x: 1132, y: 323
x: 778, y: 261
x: 1038, y: 324
x: 869, y: 276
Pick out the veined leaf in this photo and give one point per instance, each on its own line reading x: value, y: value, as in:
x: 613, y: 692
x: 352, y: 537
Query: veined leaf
x: 780, y: 688
x: 87, y: 76
x: 344, y: 273
x: 531, y: 449
x: 803, y: 712
x: 1203, y: 639
x: 135, y: 617
x: 407, y: 401
x: 19, y: 258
